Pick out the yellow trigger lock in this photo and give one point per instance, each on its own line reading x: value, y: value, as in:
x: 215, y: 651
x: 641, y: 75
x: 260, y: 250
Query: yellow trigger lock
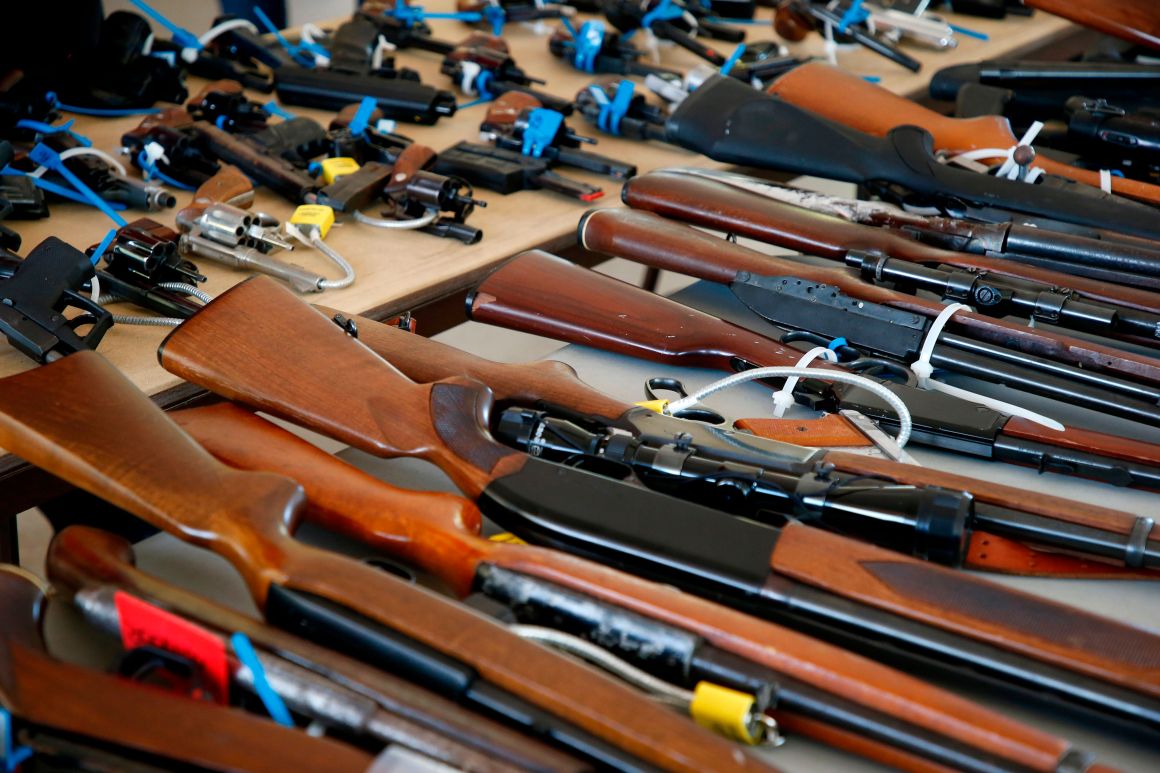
x: 733, y: 714
x: 507, y: 536
x: 656, y: 406
x: 314, y: 216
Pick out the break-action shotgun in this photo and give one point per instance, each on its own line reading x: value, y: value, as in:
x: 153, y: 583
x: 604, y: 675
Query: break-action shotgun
x: 814, y: 689
x: 344, y: 390
x: 161, y: 475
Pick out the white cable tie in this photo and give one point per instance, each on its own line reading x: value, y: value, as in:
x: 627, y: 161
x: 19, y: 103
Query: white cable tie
x: 1105, y: 181
x: 382, y: 47
x: 905, y: 423
x: 110, y: 160
x: 924, y: 371
x: 471, y: 71
x: 95, y: 289
x: 1009, y: 169
x: 783, y: 398
x: 220, y: 29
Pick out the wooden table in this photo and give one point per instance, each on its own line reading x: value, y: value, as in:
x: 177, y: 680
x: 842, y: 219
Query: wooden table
x: 402, y: 270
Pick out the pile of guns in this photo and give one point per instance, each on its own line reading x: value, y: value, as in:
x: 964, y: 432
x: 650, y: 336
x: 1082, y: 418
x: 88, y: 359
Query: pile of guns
x: 669, y: 586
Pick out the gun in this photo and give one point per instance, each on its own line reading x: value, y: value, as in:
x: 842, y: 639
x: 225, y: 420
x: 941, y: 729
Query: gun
x: 670, y: 20
x: 507, y: 171
x: 247, y: 518
x: 994, y: 287
x: 1097, y: 254
x: 877, y: 595
x: 520, y: 122
x: 596, y: 50
x: 1137, y: 21
x: 794, y: 19
x: 482, y: 66
x: 497, y: 13
x: 69, y: 712
x: 1128, y: 141
x: 88, y: 566
x: 869, y: 108
x: 544, y: 587
x: 729, y: 121
x: 402, y: 30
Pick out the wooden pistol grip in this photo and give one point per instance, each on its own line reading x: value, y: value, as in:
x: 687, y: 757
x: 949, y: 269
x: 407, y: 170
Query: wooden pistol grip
x: 1085, y: 440
x: 1014, y: 621
x: 424, y: 360
x: 224, y: 86
x: 507, y: 108
x: 1137, y: 21
x: 413, y: 158
x: 173, y: 117
x: 82, y: 420
x: 541, y: 294
x: 228, y: 186
x: 111, y: 710
x: 329, y: 382
x: 434, y: 531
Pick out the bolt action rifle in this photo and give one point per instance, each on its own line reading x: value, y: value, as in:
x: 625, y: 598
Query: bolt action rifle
x: 248, y: 518
x: 614, y: 610
x: 875, y: 595
x: 70, y: 713
x: 88, y: 566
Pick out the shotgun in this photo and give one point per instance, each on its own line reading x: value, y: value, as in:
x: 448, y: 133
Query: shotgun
x: 1137, y: 21
x: 867, y: 107
x: 613, y: 609
x: 873, y: 594
x: 159, y: 474
x: 731, y: 122
x: 86, y: 563
x: 555, y: 390
x: 110, y: 719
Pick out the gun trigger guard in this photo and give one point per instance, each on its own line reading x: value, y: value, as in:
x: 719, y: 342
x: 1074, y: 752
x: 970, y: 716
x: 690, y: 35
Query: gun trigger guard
x: 665, y: 384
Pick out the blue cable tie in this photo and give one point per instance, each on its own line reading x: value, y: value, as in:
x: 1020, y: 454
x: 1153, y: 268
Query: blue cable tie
x: 362, y: 116
x: 294, y: 51
x: 11, y: 755
x: 60, y: 190
x: 496, y: 16
x: 611, y: 112
x: 482, y: 87
x: 151, y: 172
x: 872, y: 78
x: 855, y: 14
x: 724, y: 20
x: 270, y: 699
x: 46, y: 128
x: 104, y: 245
x: 181, y: 36
x: 970, y: 33
x: 543, y: 124
x: 568, y: 26
x: 587, y: 44
x: 273, y: 108
x: 664, y: 11
x: 840, y: 341
x: 46, y: 156
x: 733, y: 59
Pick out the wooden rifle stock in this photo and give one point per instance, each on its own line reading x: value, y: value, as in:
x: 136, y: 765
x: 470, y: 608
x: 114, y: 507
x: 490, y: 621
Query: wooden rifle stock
x: 443, y: 538
x: 161, y: 475
x: 649, y: 238
x: 867, y: 107
x: 147, y: 722
x: 81, y: 557
x: 1137, y: 21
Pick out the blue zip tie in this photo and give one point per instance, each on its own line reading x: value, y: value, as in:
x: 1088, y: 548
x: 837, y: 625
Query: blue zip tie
x: 733, y: 59
x: 496, y: 16
x: 294, y: 51
x: 60, y: 190
x: 46, y: 128
x: 273, y: 108
x: 612, y: 111
x: 11, y: 755
x: 362, y: 116
x: 872, y: 78
x: 270, y: 699
x: 664, y: 11
x: 587, y: 44
x: 104, y: 245
x: 46, y: 156
x: 855, y: 14
x: 181, y: 36
x: 481, y: 85
x: 970, y: 33
x: 840, y: 341
x: 151, y: 172
x: 568, y: 26
x: 543, y: 124
x: 108, y: 112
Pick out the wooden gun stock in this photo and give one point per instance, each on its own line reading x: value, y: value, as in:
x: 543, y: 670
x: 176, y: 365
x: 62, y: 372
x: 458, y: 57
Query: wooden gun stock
x: 648, y: 238
x: 443, y: 538
x: 867, y: 107
x: 1137, y: 21
x: 161, y: 475
x: 147, y: 722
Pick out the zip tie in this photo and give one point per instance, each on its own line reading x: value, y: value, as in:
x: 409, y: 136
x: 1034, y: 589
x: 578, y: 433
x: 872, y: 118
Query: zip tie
x: 12, y: 756
x: 905, y: 423
x: 273, y: 108
x: 1009, y: 169
x: 783, y: 398
x: 40, y: 127
x: 733, y: 59
x: 270, y: 699
x: 108, y: 159
x: 1105, y: 181
x: 46, y: 156
x: 362, y: 116
x: 190, y: 44
x: 226, y: 26
x: 100, y: 250
x: 924, y: 371
x: 382, y: 48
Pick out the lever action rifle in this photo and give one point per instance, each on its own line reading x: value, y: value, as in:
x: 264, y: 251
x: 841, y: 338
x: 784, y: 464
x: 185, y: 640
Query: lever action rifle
x: 104, y: 718
x: 1038, y: 360
x: 867, y: 107
x: 994, y: 287
x: 556, y: 392
x: 547, y: 587
x: 90, y: 567
x: 159, y: 474
x: 860, y: 590
x: 539, y: 294
x: 731, y: 122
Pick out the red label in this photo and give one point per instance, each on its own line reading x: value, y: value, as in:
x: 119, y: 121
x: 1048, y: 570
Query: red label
x: 143, y: 624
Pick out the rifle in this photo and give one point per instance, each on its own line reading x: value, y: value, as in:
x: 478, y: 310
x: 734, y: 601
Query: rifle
x: 1098, y: 255
x: 729, y: 121
x: 994, y: 287
x: 1128, y: 141
x: 61, y: 705
x: 873, y: 594
x: 247, y: 518
x: 88, y: 564
x: 940, y: 420
x: 554, y: 390
x: 869, y: 108
x: 632, y: 617
x: 1136, y: 21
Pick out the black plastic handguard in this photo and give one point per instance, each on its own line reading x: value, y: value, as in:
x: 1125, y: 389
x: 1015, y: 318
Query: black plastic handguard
x: 729, y: 121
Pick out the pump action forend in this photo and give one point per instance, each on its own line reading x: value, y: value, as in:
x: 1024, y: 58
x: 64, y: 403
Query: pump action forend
x: 158, y: 473
x: 816, y: 689
x: 729, y: 121
x: 870, y: 593
x: 551, y: 391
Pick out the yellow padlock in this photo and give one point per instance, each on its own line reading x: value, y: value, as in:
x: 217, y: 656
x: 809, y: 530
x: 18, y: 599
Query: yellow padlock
x: 334, y: 168
x: 311, y: 216
x: 728, y: 712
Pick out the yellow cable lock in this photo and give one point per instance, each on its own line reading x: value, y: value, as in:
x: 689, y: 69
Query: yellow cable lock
x: 728, y: 712
x: 508, y: 537
x: 314, y: 216
x: 656, y: 406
